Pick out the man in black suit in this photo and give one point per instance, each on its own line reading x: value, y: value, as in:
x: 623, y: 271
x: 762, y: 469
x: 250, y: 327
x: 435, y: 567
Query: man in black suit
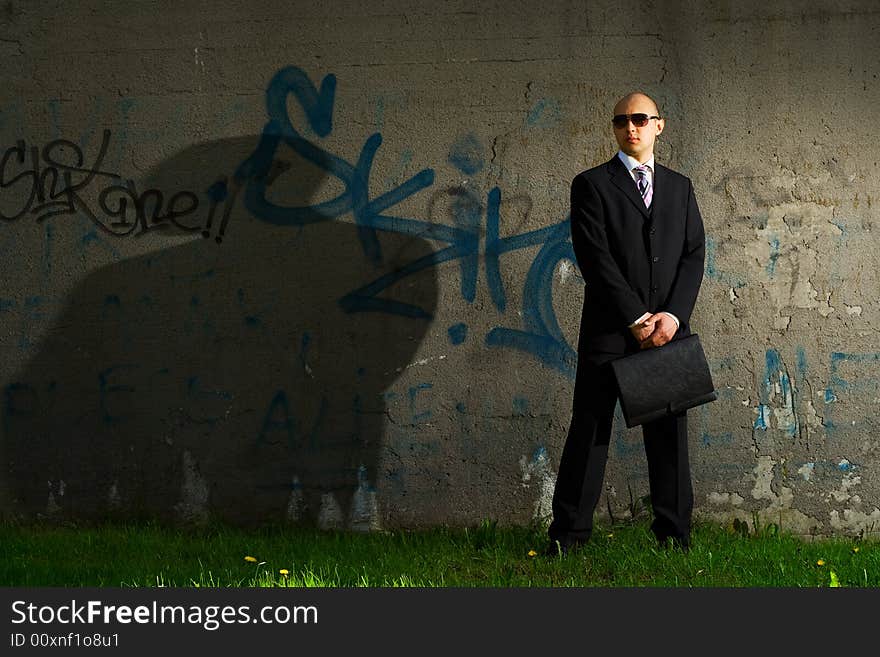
x: 639, y: 242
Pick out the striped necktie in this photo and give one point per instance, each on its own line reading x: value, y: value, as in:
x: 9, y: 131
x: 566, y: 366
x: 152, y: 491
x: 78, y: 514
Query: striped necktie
x: 644, y: 184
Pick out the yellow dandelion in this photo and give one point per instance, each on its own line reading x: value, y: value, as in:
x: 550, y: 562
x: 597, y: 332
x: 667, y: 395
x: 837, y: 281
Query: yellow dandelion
x: 532, y: 553
x: 284, y: 572
x: 250, y: 559
x: 855, y: 549
x: 821, y: 562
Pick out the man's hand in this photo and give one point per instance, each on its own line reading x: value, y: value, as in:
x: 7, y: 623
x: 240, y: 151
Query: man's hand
x: 661, y: 327
x: 642, y: 330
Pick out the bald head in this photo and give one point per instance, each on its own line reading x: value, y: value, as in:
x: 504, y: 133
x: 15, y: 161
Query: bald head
x: 636, y: 98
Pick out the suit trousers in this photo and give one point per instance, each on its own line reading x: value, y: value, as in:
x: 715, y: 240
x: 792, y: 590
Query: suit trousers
x: 582, y: 467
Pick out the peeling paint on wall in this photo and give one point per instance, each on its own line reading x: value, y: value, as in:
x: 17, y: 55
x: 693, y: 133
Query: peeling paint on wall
x: 764, y: 477
x: 193, y: 504
x: 295, y: 502
x: 777, y: 397
x: 852, y: 521
x: 364, y: 514
x: 806, y: 470
x: 734, y: 499
x: 538, y: 468
x: 330, y: 514
x: 849, y: 481
x: 789, y: 248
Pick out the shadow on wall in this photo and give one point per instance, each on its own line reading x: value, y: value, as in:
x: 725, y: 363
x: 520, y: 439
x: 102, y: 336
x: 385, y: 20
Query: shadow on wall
x: 220, y: 380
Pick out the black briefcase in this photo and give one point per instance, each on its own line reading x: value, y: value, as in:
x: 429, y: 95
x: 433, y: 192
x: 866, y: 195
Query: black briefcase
x: 663, y: 380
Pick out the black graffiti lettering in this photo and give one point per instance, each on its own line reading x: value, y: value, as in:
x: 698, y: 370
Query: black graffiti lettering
x: 19, y: 150
x: 62, y: 144
x: 175, y: 213
x: 54, y: 181
x: 71, y: 190
x: 148, y: 209
x: 66, y: 199
x: 230, y: 201
x: 48, y: 204
x: 119, y: 210
x: 212, y: 209
x: 143, y: 206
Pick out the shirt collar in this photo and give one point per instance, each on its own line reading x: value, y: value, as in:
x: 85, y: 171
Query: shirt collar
x: 631, y: 163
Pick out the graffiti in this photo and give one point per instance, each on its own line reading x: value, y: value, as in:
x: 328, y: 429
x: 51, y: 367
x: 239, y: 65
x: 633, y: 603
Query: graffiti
x: 278, y: 418
x: 41, y: 183
x: 466, y: 155
x: 418, y: 415
x: 840, y: 387
x: 545, y: 113
x: 457, y: 333
x: 785, y: 402
x: 541, y: 337
x: 777, y: 382
x: 712, y: 271
x: 55, y: 181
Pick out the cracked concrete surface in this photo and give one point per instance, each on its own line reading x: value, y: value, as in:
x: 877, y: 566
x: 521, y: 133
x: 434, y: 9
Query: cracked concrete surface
x: 767, y: 107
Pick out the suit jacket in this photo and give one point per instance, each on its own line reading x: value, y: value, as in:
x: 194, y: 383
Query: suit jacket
x: 634, y: 259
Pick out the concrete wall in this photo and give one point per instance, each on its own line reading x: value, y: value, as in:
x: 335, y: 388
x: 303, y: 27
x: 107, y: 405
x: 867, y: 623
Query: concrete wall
x: 285, y: 260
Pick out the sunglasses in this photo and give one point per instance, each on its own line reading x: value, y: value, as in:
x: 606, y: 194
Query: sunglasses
x: 638, y: 120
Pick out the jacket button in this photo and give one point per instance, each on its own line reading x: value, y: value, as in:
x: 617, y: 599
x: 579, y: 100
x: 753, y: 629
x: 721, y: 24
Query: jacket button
x: 656, y: 259
x: 653, y: 289
x: 653, y: 230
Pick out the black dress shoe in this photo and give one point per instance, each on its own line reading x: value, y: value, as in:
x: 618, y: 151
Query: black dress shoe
x: 676, y: 542
x: 562, y: 547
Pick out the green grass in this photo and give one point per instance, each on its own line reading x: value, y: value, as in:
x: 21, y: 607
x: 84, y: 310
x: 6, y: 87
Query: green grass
x: 483, y: 556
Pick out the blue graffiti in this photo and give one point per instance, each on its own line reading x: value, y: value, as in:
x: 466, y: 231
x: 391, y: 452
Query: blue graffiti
x: 418, y: 416
x: 457, y: 333
x: 544, y: 114
x: 712, y: 270
x: 762, y: 422
x: 802, y: 363
x: 838, y: 358
x: 775, y: 372
x: 774, y: 256
x: 838, y: 384
x: 278, y: 419
x: 541, y: 337
x: 466, y: 154
x: 713, y: 440
x: 707, y: 438
x: 318, y: 108
x: 108, y: 390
